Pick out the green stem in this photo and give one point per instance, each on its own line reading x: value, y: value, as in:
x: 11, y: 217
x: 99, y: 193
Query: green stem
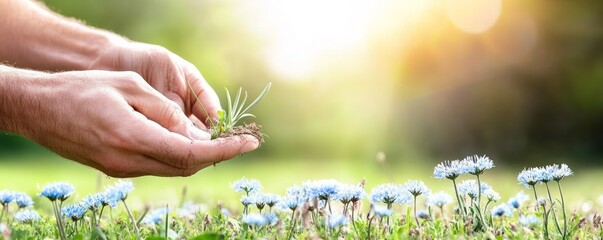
x: 57, y: 214
x: 100, y: 215
x: 544, y: 218
x: 456, y: 191
x: 479, y: 192
x: 2, y: 212
x: 552, y: 208
x: 563, y: 209
x: 166, y: 220
x: 354, y: 223
x: 294, y: 221
x: 132, y: 219
x: 415, y: 212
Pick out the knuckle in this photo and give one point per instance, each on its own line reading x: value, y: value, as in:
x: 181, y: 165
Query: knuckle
x: 172, y: 114
x: 131, y: 80
x: 187, y: 172
x: 186, y: 161
x: 158, y: 52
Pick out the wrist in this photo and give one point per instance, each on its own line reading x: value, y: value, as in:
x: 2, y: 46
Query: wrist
x: 16, y: 99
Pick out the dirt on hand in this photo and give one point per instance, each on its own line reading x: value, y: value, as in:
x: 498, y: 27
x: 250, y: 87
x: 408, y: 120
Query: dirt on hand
x: 249, y: 129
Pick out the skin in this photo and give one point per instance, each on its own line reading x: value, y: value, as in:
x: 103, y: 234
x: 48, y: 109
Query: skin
x: 119, y: 106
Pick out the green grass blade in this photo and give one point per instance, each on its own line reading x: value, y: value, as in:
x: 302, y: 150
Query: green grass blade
x: 238, y: 111
x: 259, y: 98
x: 228, y: 116
x: 236, y: 103
x: 246, y: 115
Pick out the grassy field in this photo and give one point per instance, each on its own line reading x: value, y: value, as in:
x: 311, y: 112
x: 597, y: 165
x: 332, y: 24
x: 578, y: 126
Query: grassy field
x: 212, y: 185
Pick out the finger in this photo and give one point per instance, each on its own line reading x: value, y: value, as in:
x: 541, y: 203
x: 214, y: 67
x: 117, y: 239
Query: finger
x: 175, y: 98
x: 205, y: 102
x: 178, y: 151
x: 156, y: 107
x: 135, y: 165
x: 197, y: 122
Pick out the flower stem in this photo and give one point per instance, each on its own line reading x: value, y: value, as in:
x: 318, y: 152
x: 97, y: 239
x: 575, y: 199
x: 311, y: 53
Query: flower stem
x: 294, y: 222
x: 2, y: 212
x: 354, y: 224
x: 57, y: 214
x: 415, y: 212
x: 479, y: 193
x: 544, y: 218
x: 456, y: 191
x: 132, y: 219
x: 552, y: 208
x: 563, y: 210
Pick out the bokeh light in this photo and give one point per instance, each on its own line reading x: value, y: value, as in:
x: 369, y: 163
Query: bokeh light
x: 473, y: 16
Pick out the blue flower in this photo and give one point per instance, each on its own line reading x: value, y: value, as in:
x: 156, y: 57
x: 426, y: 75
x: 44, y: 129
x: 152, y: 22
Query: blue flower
x: 477, y: 165
x: 247, y: 185
x: 449, y: 169
x: 438, y: 199
x: 262, y: 199
x: 27, y: 216
x: 335, y: 221
x: 57, y: 191
x: 324, y: 189
x: 247, y: 200
x: 106, y: 199
x: 423, y: 214
x: 530, y: 176
x: 254, y: 219
x: 491, y: 195
x: 518, y: 199
x: 559, y: 172
x: 120, y: 190
x: 75, y: 212
x: 350, y: 193
x: 23, y: 200
x: 92, y: 202
x: 416, y: 188
x: 529, y: 220
x: 155, y: 216
x: 270, y: 218
x: 389, y: 193
x: 6, y: 197
x: 469, y: 188
x: 501, y: 210
x: 289, y: 202
x: 382, y: 211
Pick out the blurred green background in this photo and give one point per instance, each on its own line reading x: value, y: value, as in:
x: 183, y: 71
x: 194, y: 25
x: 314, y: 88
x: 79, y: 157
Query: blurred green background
x: 421, y: 81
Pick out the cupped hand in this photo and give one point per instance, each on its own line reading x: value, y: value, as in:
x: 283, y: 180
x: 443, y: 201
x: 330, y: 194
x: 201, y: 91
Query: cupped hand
x: 168, y: 73
x: 117, y: 123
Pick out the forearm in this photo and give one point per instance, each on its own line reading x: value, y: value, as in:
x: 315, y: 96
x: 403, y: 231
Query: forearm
x: 36, y: 38
x: 15, y: 99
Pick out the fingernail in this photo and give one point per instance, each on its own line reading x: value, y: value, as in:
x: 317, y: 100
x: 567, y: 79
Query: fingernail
x: 252, y: 143
x: 198, y: 134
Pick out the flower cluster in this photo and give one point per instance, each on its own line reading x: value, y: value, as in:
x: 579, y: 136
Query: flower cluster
x: 27, y: 216
x: 57, y: 191
x: 22, y: 199
x: 247, y: 185
x: 530, y: 176
x: 474, y: 165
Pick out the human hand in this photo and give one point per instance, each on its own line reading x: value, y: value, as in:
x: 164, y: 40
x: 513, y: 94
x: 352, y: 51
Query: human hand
x: 167, y: 73
x: 117, y: 123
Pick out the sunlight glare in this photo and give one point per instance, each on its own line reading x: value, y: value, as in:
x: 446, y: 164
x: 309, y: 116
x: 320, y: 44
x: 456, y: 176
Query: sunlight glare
x: 302, y: 37
x: 473, y: 16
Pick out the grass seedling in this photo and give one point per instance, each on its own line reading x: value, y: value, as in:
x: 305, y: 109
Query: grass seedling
x: 235, y: 111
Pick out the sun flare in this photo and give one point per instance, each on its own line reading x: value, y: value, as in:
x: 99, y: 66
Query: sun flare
x: 303, y: 36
